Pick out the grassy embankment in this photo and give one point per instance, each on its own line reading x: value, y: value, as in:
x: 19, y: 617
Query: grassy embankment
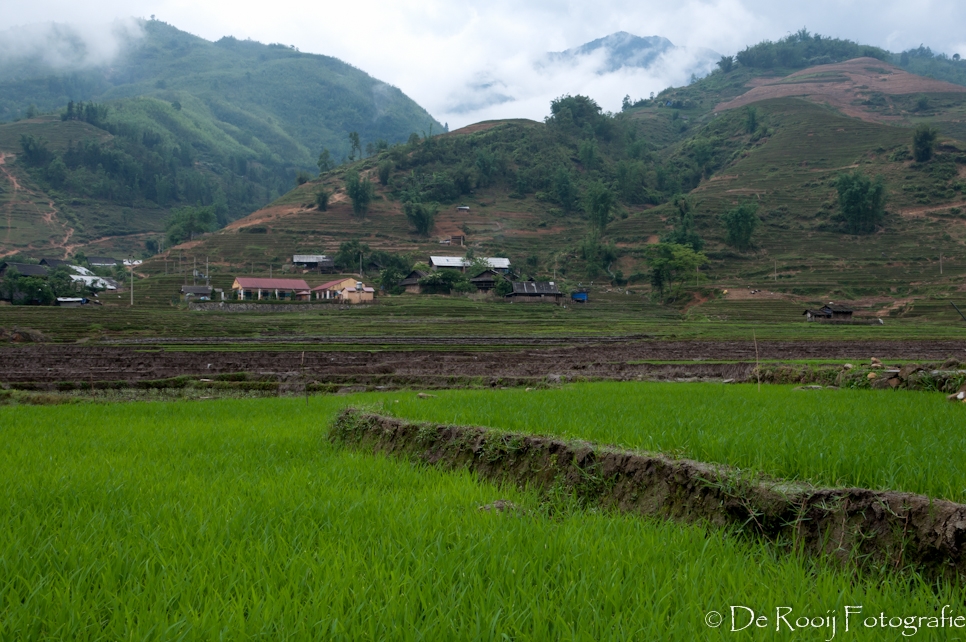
x: 237, y: 518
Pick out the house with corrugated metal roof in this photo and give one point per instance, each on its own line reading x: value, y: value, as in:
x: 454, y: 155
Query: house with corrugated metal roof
x: 460, y: 263
x: 102, y: 261
x: 535, y: 292
x: 319, y: 262
x: 250, y: 288
x: 24, y: 269
x: 200, y: 292
x: 53, y: 264
x: 830, y: 312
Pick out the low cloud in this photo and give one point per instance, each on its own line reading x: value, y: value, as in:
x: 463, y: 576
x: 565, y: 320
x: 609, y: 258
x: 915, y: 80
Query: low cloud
x: 61, y: 47
x: 523, y: 87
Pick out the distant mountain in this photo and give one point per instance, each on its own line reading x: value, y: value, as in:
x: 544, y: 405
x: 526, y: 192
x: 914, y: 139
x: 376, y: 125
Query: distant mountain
x: 602, y: 65
x: 308, y: 101
x: 622, y: 49
x: 161, y: 119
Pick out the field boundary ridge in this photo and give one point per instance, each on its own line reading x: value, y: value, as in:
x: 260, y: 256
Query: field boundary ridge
x: 856, y: 526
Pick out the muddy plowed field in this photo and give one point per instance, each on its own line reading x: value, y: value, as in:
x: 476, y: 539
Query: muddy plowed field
x: 362, y: 364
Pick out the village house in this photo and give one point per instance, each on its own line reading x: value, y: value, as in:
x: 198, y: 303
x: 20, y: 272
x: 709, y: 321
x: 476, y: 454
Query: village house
x: 411, y: 282
x: 53, y: 264
x: 102, y: 261
x: 830, y: 313
x: 319, y: 262
x: 486, y: 281
x: 534, y: 292
x: 331, y: 290
x: 357, y: 293
x: 447, y: 263
x: 24, y: 269
x: 249, y: 288
x: 71, y: 301
x: 499, y: 264
x: 199, y: 292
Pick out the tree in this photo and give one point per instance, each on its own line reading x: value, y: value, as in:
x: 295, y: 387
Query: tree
x: 445, y: 281
x: 751, y: 120
x: 325, y: 161
x: 389, y: 278
x: 421, y: 216
x: 503, y: 287
x: 187, y: 221
x: 361, y: 191
x: 302, y: 177
x: 350, y: 254
x: 385, y: 169
x: 355, y: 145
x: 672, y: 263
x: 726, y: 63
x: 740, y: 224
x: 923, y: 141
x: 861, y: 201
x: 564, y: 189
x: 598, y: 203
x: 35, y: 152
x: 322, y: 199
x: 683, y: 232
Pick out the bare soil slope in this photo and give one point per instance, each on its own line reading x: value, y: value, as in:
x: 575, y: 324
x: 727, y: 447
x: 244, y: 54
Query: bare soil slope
x: 847, y: 86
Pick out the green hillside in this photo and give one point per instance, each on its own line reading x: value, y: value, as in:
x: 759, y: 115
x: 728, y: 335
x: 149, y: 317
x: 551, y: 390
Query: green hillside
x: 176, y: 121
x: 674, y: 165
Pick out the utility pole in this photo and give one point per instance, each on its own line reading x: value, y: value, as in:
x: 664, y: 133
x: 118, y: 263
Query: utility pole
x: 360, y: 264
x: 194, y: 271
x: 207, y: 273
x: 132, y: 280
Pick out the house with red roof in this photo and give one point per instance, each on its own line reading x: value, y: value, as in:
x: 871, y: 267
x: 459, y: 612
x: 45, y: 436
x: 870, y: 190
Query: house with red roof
x: 331, y: 289
x: 250, y: 288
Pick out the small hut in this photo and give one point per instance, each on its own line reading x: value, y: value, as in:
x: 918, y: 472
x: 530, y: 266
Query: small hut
x: 830, y: 313
x: 535, y: 292
x: 411, y: 282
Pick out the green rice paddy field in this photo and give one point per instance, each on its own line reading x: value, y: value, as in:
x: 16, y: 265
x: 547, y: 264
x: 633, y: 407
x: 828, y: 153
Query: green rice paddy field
x: 237, y: 519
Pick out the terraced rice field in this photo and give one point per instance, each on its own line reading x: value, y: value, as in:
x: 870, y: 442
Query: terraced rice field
x: 239, y: 519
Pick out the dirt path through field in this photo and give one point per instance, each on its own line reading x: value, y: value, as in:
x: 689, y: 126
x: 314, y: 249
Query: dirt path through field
x: 49, y: 218
x: 917, y: 212
x: 9, y: 206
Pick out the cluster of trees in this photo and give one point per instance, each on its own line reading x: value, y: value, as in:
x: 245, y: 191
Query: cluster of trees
x: 924, y: 62
x: 802, y: 49
x: 582, y: 159
x: 187, y: 221
x: 20, y: 289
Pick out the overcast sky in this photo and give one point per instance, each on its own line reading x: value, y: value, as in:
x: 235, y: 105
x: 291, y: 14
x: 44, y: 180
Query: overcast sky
x: 433, y: 49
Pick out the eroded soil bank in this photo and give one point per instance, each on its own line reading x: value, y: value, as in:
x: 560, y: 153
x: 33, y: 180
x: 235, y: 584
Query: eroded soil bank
x: 856, y: 526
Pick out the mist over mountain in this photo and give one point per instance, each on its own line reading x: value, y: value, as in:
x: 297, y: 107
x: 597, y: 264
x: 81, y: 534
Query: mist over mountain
x: 53, y: 48
x: 607, y: 68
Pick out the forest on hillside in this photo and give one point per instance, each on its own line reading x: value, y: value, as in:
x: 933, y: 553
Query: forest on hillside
x: 141, y: 164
